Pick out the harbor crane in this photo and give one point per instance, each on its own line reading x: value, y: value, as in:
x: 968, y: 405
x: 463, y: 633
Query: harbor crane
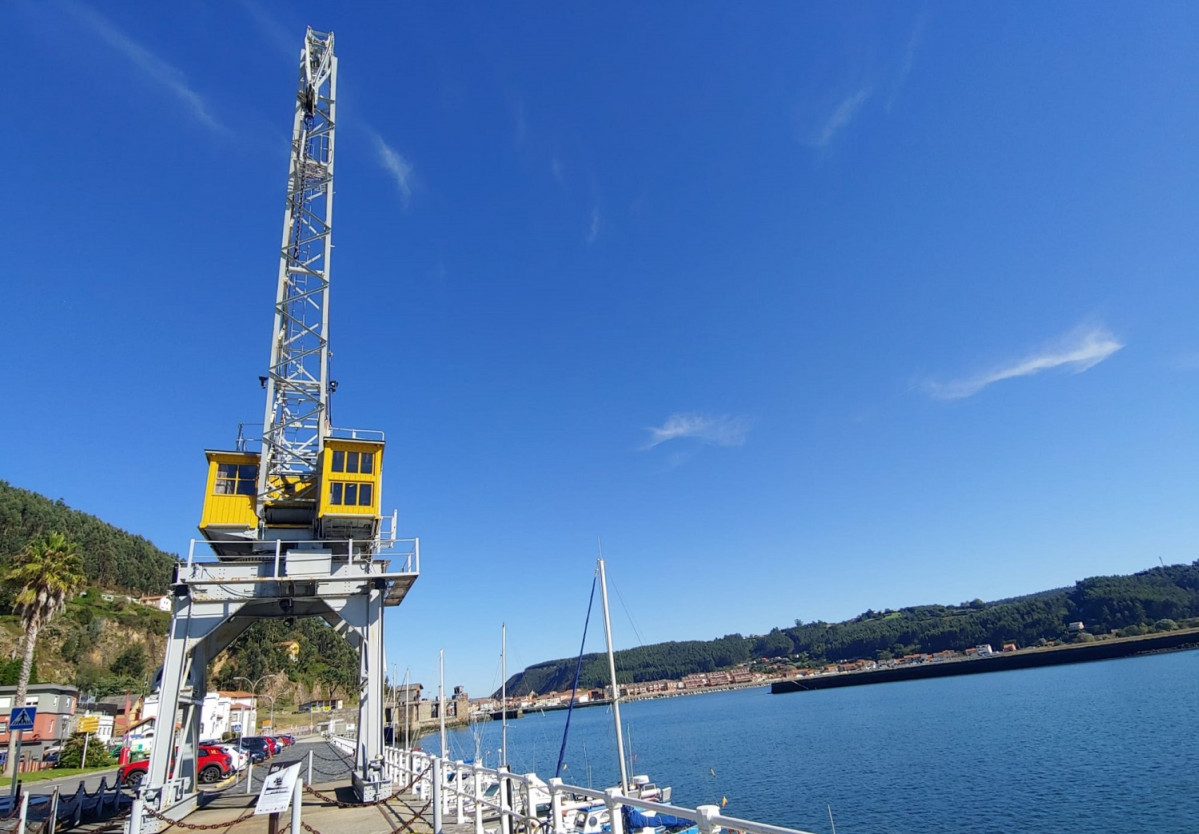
x: 291, y: 520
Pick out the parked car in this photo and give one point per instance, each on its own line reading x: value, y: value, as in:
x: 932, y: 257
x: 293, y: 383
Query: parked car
x: 211, y: 766
x: 240, y: 757
x: 275, y: 745
x: 288, y: 739
x: 257, y: 746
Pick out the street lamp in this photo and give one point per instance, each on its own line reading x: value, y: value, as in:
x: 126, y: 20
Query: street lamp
x: 254, y: 692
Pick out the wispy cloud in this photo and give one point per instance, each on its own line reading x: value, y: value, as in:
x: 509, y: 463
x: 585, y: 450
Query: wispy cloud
x: 842, y: 116
x: 715, y: 430
x: 395, y: 165
x: 283, y: 38
x: 909, y: 57
x: 1077, y: 351
x: 154, y: 68
x: 594, y: 229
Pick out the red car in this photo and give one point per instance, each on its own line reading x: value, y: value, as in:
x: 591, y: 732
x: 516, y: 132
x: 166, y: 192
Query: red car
x: 275, y: 745
x: 213, y: 766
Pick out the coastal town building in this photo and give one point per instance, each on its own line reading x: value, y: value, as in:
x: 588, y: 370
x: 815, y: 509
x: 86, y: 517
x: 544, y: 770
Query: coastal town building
x: 55, y: 720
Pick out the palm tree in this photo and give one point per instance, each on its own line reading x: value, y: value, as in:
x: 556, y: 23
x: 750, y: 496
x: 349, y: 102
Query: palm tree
x: 44, y: 575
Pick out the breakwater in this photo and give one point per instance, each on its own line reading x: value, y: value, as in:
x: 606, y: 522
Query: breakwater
x: 1025, y: 659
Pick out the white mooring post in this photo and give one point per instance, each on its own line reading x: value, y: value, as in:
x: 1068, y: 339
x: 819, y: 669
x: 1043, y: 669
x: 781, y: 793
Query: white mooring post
x: 297, y: 798
x: 530, y: 811
x: 24, y: 812
x: 612, y: 798
x: 310, y: 766
x: 505, y: 805
x: 706, y: 823
x: 557, y: 824
x: 437, y: 798
x: 459, y: 770
x: 477, y: 781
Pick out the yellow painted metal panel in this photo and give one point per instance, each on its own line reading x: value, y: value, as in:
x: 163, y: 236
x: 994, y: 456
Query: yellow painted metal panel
x: 224, y: 504
x: 343, y: 484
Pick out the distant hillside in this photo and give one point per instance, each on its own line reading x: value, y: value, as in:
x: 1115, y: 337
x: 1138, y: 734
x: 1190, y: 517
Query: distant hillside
x: 1157, y: 599
x: 113, y: 559
x: 107, y: 646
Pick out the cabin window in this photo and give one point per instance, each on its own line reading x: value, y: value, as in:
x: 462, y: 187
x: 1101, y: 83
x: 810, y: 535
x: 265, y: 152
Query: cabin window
x: 350, y: 495
x: 355, y: 463
x: 236, y: 479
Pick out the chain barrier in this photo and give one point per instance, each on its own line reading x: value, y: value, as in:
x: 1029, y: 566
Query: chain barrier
x: 341, y: 757
x: 337, y: 802
x: 407, y: 826
x: 110, y: 825
x: 196, y: 826
x: 332, y: 800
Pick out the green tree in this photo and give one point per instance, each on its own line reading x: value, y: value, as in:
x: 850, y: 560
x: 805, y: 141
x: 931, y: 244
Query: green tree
x: 130, y: 663
x: 42, y: 578
x: 72, y: 753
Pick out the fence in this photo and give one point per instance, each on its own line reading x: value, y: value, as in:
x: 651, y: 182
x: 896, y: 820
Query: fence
x: 523, y: 802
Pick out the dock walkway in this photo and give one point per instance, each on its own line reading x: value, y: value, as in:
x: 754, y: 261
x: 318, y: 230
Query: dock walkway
x: 334, y: 811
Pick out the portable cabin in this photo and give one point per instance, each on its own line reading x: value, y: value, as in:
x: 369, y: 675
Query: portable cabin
x: 351, y: 478
x: 230, y: 497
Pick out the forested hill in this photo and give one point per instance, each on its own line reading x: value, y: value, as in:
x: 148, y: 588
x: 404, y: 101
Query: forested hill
x: 113, y: 559
x: 1158, y: 599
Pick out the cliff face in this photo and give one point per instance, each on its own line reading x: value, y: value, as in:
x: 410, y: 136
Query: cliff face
x: 101, y: 645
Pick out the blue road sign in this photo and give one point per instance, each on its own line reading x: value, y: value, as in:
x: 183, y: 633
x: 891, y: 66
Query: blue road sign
x: 22, y: 719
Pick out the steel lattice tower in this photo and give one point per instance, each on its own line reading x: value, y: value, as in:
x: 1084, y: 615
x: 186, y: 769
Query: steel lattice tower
x: 297, y: 384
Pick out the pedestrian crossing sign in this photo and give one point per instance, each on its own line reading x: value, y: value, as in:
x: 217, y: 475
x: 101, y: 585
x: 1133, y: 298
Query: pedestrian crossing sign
x: 22, y: 719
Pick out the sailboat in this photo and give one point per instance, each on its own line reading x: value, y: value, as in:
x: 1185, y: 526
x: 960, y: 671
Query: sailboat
x: 595, y: 818
x: 640, y: 786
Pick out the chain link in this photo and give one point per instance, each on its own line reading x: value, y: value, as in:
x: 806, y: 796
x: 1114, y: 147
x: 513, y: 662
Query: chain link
x: 195, y: 826
x: 111, y: 823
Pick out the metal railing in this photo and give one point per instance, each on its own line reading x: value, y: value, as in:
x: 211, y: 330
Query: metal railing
x: 460, y: 793
x: 352, y: 551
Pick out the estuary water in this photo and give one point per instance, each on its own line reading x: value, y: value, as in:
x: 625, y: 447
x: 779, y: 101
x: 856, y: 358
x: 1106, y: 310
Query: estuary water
x: 1109, y: 746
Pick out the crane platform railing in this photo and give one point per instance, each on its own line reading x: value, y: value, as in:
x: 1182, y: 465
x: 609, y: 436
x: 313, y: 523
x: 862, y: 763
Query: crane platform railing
x: 401, y: 555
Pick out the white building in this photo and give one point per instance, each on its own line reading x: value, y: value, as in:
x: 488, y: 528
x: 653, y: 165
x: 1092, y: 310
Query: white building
x: 233, y: 713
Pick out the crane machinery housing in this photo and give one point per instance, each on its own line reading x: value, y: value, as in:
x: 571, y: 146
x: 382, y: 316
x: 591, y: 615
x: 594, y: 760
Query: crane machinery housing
x: 291, y: 521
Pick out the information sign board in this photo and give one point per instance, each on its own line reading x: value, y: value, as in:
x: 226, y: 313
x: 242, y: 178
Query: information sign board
x: 277, y: 789
x: 88, y: 724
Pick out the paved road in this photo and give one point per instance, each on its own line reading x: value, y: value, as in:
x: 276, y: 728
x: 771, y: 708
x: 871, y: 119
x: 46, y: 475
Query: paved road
x: 328, y: 765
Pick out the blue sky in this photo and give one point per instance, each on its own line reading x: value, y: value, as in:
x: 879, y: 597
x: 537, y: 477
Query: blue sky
x: 799, y: 309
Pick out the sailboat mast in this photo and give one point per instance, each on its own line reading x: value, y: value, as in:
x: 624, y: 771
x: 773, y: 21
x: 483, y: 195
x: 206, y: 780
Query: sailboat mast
x: 445, y: 754
x: 624, y: 773
x: 504, y: 694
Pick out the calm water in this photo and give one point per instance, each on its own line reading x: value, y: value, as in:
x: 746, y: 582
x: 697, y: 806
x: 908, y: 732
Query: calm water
x: 1110, y: 746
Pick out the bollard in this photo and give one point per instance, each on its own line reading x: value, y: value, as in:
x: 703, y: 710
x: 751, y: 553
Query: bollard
x: 530, y: 808
x: 459, y: 769
x: 557, y: 823
x: 24, y: 812
x: 477, y: 781
x: 297, y: 798
x: 437, y: 824
x: 310, y: 767
x: 505, y: 793
x: 52, y: 819
x: 706, y: 823
x: 250, y: 775
x: 135, y: 814
x: 612, y: 797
